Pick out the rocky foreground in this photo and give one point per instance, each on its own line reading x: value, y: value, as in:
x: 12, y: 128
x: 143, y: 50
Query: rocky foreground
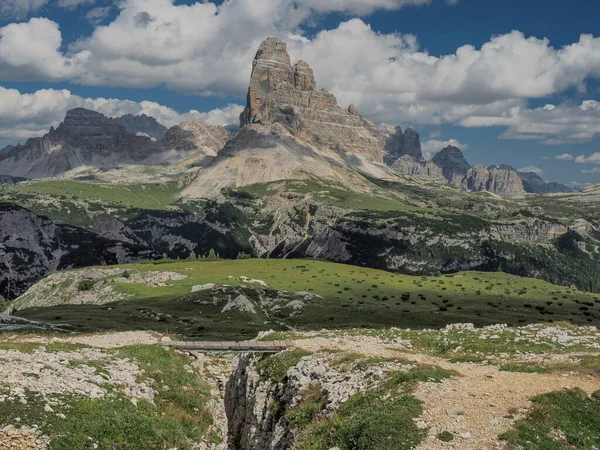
x: 459, y: 387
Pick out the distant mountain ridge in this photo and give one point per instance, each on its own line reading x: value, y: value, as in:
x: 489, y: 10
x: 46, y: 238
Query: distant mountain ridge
x: 89, y: 139
x: 143, y: 125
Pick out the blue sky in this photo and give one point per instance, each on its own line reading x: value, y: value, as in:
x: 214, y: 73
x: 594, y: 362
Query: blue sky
x: 396, y: 59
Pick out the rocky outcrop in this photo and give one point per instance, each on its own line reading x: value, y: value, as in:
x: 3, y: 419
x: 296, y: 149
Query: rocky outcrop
x: 142, y: 125
x: 408, y: 165
x: 505, y: 182
x: 534, y: 184
x: 453, y: 164
x: 283, y: 93
x: 476, y: 179
x: 31, y: 246
x: 501, y: 181
x: 399, y: 144
x: 256, y: 406
x: 199, y: 141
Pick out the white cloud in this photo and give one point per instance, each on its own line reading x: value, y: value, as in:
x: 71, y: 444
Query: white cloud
x: 532, y: 169
x: 594, y: 158
x: 20, y: 8
x: 358, y: 7
x: 592, y: 171
x: 565, y: 157
x: 432, y: 146
x: 31, y: 51
x: 72, y: 4
x: 98, y: 15
x: 562, y: 124
x: 28, y: 115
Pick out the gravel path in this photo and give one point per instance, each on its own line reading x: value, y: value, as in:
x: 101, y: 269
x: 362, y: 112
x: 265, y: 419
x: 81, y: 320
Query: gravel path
x: 473, y: 406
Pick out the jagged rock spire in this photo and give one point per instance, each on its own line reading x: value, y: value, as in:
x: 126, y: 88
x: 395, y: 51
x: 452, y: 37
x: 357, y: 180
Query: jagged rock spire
x: 283, y: 93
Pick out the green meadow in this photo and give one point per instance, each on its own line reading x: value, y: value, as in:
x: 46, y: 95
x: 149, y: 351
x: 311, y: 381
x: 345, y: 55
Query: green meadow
x: 349, y: 297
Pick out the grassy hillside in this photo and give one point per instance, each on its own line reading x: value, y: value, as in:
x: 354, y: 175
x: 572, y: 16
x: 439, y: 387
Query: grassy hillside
x: 76, y: 202
x: 346, y: 297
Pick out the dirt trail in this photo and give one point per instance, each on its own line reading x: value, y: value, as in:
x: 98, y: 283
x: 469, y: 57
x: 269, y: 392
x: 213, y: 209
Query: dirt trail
x: 474, y: 406
x: 105, y: 341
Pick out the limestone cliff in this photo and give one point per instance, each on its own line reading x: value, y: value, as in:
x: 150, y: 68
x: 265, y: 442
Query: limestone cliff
x: 283, y: 93
x: 408, y: 165
x: 399, y: 144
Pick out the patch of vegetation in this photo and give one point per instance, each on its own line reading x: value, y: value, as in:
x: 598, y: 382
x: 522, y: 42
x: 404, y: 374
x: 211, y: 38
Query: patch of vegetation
x: 178, y: 419
x: 379, y: 419
x: 357, y: 361
x: 307, y: 409
x: 559, y: 421
x: 85, y: 285
x: 31, y: 347
x: 524, y: 368
x: 446, y: 436
x: 275, y: 367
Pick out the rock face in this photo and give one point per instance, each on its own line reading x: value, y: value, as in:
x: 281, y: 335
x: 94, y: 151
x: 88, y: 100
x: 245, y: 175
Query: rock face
x: 89, y: 139
x: 502, y: 180
x: 408, y: 165
x: 283, y: 93
x: 534, y: 184
x: 291, y: 130
x: 201, y: 141
x: 142, y: 125
x: 31, y: 246
x: 499, y: 180
x: 453, y: 164
x: 399, y: 144
x: 505, y: 182
x: 254, y: 423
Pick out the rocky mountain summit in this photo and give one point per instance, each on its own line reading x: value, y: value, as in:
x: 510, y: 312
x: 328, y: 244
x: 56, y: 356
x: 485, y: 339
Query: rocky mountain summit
x: 142, y: 125
x: 291, y: 129
x: 453, y: 164
x: 89, y: 139
x: 399, y: 144
x: 283, y: 93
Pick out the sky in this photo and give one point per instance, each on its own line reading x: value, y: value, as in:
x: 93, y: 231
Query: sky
x: 509, y: 82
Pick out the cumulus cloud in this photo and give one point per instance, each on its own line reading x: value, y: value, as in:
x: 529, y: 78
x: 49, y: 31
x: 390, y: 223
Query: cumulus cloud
x: 550, y: 124
x: 27, y: 115
x: 432, y: 146
x: 532, y: 169
x: 20, y: 8
x: 564, y: 157
x: 31, y: 51
x: 594, y: 158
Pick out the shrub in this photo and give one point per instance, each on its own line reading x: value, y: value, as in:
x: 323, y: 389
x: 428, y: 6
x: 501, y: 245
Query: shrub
x: 85, y: 285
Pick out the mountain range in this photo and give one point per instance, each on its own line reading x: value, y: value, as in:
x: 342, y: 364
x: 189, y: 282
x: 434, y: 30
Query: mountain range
x: 302, y: 177
x: 288, y: 127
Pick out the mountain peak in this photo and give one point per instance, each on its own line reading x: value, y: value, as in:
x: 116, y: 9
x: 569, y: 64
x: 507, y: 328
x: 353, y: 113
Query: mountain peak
x: 286, y: 94
x: 273, y: 49
x: 453, y: 164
